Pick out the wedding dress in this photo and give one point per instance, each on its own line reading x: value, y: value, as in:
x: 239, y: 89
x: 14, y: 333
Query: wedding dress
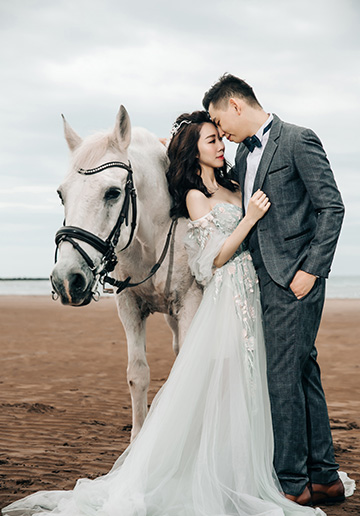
x: 206, y: 446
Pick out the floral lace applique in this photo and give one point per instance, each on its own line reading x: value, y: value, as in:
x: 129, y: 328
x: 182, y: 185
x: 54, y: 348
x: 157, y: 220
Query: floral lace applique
x: 218, y: 279
x: 224, y: 217
x: 200, y: 230
x: 244, y: 281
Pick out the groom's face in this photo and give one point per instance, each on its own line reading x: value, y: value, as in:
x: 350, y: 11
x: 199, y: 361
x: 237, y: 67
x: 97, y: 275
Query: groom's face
x: 228, y: 120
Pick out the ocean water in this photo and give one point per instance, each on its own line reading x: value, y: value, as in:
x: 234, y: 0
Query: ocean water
x: 29, y: 287
x: 338, y: 287
x: 25, y: 287
x: 343, y: 287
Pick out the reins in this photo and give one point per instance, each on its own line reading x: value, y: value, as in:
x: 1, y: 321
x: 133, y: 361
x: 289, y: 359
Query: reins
x: 121, y: 285
x: 108, y: 247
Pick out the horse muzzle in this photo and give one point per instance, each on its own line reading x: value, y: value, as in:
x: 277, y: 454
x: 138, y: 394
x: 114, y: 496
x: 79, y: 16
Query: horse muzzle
x: 74, y: 285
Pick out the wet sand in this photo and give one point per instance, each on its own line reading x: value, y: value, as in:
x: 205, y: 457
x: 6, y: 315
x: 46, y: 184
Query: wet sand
x: 65, y: 406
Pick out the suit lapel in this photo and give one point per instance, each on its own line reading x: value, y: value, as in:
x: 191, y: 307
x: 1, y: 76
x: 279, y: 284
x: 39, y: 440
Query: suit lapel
x: 268, y: 153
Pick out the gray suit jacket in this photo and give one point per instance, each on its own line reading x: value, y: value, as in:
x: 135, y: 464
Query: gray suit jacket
x: 302, y: 226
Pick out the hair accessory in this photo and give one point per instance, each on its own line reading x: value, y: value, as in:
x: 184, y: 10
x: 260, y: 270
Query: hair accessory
x: 176, y: 127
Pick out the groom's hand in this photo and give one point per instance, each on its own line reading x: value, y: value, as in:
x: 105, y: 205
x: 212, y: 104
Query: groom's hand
x: 302, y: 283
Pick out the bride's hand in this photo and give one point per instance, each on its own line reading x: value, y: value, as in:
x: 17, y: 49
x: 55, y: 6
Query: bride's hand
x: 258, y: 205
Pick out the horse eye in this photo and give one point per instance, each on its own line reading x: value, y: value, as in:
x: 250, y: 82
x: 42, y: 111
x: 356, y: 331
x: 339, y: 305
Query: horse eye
x: 60, y: 196
x: 112, y: 194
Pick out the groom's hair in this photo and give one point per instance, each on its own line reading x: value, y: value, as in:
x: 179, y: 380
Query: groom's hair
x: 226, y: 87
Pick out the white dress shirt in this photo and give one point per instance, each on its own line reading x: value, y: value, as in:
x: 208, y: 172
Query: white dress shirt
x: 253, y: 160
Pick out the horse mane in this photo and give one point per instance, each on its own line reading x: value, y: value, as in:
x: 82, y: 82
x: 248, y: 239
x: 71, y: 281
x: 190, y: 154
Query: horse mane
x: 92, y: 148
x: 145, y: 144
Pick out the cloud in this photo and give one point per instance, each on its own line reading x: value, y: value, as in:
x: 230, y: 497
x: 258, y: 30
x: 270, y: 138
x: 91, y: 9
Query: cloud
x: 84, y: 58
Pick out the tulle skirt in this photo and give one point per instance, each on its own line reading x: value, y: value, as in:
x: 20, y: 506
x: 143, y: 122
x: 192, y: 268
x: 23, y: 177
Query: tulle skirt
x: 206, y: 446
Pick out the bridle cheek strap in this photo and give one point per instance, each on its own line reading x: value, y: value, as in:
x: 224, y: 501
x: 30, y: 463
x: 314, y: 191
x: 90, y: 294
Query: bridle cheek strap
x: 107, y: 247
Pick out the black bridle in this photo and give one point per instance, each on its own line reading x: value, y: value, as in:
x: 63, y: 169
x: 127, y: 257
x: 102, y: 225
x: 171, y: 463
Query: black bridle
x: 108, y: 247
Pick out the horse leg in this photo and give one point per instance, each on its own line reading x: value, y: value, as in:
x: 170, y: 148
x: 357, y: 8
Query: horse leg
x: 174, y: 326
x: 138, y: 371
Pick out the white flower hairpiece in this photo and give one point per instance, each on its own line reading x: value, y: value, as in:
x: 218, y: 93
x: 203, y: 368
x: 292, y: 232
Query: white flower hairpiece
x: 176, y: 127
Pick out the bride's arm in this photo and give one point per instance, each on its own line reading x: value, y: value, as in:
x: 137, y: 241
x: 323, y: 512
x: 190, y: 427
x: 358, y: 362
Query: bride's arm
x: 258, y: 206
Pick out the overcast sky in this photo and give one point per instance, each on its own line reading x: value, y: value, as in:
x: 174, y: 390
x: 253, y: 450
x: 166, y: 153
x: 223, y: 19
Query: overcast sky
x: 84, y: 58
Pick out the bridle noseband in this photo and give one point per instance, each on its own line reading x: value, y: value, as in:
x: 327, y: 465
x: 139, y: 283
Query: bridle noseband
x: 108, y: 247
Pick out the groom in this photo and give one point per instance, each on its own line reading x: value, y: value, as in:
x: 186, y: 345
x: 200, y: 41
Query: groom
x: 292, y: 248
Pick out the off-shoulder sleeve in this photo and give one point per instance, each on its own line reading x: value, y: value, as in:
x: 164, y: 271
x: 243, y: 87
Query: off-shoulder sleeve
x: 203, y: 242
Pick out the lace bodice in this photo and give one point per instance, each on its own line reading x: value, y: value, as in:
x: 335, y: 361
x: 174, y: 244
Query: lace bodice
x: 224, y: 217
x: 206, y: 236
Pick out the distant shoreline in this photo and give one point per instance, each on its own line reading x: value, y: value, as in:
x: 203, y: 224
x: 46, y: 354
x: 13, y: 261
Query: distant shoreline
x: 337, y: 287
x: 24, y: 279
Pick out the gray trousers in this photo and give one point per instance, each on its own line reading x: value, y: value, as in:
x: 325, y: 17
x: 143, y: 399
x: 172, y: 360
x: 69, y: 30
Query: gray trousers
x: 303, y: 443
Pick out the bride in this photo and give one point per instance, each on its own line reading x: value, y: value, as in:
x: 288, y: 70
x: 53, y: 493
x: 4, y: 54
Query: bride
x: 206, y: 446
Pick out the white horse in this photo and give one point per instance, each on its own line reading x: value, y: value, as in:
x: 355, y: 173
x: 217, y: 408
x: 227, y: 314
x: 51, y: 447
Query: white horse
x: 93, y: 200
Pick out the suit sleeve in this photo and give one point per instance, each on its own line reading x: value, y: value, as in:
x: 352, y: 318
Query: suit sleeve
x: 315, y: 171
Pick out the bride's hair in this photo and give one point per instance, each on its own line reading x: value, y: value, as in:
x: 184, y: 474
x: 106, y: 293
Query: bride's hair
x: 184, y: 169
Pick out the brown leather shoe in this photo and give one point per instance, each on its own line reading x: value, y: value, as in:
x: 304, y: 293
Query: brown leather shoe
x: 328, y: 494
x: 303, y: 499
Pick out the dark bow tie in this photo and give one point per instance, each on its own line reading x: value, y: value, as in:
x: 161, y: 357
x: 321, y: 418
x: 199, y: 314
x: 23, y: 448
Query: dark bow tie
x: 253, y: 141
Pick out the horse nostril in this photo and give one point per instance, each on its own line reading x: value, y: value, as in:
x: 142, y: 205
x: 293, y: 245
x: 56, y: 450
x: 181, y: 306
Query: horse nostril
x: 77, y: 283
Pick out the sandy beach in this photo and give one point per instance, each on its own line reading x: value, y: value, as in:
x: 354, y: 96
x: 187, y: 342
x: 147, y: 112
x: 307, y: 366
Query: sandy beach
x: 65, y: 405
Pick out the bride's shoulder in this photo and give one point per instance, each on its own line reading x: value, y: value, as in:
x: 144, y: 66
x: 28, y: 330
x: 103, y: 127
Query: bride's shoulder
x: 198, y: 205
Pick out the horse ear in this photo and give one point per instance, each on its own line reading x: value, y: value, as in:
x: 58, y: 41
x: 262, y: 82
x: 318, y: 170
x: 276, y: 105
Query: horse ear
x: 123, y: 129
x: 73, y: 139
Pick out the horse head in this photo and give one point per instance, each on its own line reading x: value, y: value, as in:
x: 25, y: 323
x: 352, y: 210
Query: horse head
x: 93, y: 195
